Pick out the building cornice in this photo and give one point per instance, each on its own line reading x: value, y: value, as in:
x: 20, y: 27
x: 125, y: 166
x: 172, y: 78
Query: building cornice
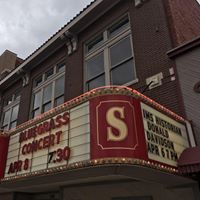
x: 184, y: 48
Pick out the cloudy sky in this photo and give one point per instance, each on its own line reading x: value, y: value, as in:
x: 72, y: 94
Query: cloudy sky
x: 26, y: 24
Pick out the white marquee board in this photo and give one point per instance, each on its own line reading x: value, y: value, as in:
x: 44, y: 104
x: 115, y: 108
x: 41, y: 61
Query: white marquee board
x: 75, y: 135
x: 165, y: 138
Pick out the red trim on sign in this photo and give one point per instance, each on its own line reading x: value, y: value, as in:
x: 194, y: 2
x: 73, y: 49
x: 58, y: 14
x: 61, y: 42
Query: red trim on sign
x: 189, y: 161
x: 118, y: 116
x: 4, y: 142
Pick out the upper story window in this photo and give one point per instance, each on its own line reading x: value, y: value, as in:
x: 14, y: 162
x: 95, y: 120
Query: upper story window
x: 48, y: 91
x: 10, y: 111
x: 109, y: 58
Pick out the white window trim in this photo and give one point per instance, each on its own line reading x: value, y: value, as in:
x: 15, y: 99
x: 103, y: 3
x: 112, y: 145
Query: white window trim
x: 45, y: 83
x: 104, y: 47
x: 7, y: 108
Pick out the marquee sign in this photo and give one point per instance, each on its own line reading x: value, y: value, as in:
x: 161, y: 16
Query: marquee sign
x: 116, y: 127
x: 165, y: 138
x: 60, y: 140
x: 44, y: 141
x: 105, y: 123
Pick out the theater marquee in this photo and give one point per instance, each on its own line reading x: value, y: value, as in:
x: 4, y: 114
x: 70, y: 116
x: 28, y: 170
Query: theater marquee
x: 165, y: 138
x: 41, y: 144
x: 58, y: 141
x: 107, y: 123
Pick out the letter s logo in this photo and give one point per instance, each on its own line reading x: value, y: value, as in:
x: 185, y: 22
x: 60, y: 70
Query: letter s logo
x: 114, y: 122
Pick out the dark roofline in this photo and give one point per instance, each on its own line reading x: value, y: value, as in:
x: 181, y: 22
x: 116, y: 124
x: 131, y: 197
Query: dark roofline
x: 184, y: 47
x: 84, y: 9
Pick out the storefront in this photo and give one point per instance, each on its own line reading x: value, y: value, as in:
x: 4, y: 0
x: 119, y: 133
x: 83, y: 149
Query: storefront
x: 109, y: 143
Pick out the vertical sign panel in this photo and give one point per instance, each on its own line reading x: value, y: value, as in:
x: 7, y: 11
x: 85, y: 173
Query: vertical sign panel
x: 4, y: 141
x: 166, y: 138
x: 79, y: 135
x: 116, y: 127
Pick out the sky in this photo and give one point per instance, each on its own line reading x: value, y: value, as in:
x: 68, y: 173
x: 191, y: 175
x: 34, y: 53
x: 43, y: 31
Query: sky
x: 27, y: 24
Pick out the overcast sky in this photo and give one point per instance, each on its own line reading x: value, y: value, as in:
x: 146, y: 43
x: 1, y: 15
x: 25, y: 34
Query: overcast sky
x: 26, y: 24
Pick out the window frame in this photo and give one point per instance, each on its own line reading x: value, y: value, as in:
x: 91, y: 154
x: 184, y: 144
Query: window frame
x: 51, y: 80
x: 99, y: 74
x: 104, y: 47
x: 10, y: 106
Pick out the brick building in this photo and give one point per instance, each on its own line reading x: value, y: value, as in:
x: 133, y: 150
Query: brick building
x: 111, y: 42
x: 8, y: 62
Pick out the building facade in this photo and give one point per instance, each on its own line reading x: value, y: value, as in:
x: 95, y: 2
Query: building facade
x: 187, y: 61
x: 111, y: 42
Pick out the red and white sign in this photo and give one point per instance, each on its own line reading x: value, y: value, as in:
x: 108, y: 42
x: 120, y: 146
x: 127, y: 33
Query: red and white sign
x: 116, y: 127
x: 105, y: 126
x: 4, y: 142
x: 122, y: 126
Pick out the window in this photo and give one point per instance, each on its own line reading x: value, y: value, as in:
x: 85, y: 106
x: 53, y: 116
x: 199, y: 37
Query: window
x: 48, y: 90
x: 95, y: 43
x: 95, y: 71
x: 119, y: 26
x: 121, y: 61
x: 38, y: 81
x: 109, y: 57
x: 10, y: 111
x: 59, y: 91
x: 49, y: 73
